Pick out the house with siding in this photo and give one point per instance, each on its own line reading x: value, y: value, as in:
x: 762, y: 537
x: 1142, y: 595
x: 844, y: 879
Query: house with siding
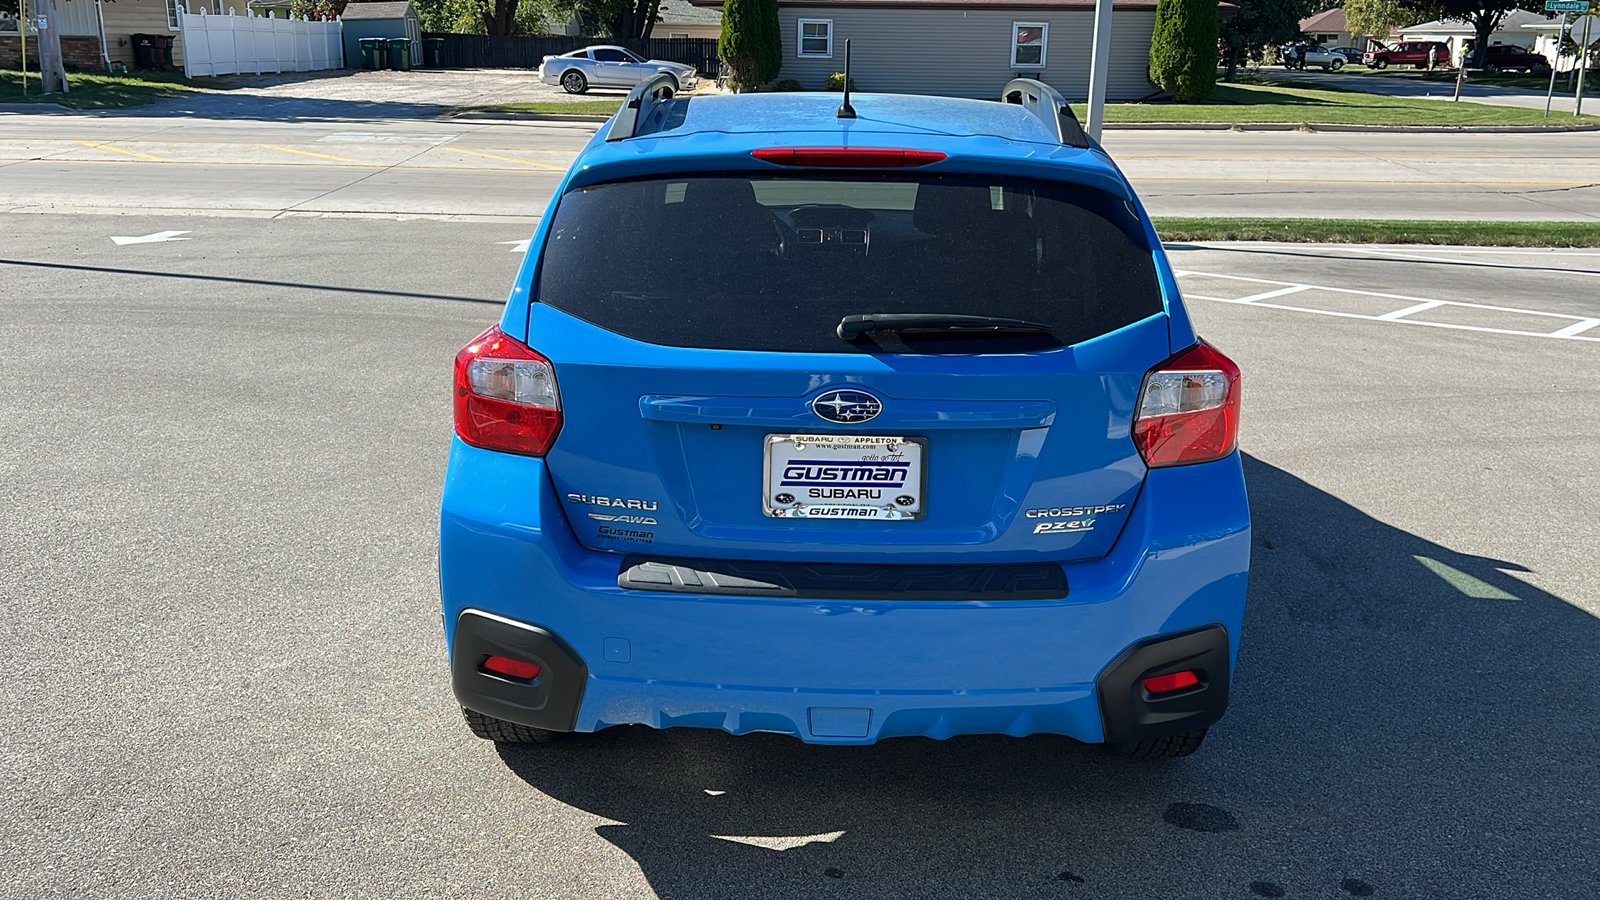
x: 963, y: 48
x: 84, y: 23
x: 682, y: 19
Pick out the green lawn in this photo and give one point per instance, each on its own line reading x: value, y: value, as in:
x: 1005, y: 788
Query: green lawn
x: 551, y: 108
x: 1378, y: 231
x: 85, y: 91
x: 1243, y: 104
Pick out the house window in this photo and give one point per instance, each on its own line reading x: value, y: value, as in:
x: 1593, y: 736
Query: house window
x: 816, y: 38
x: 172, y: 14
x: 1027, y: 46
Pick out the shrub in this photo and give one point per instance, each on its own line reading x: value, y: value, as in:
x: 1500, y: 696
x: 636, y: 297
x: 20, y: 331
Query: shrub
x: 1183, y: 49
x: 835, y: 83
x: 788, y: 84
x: 750, y: 42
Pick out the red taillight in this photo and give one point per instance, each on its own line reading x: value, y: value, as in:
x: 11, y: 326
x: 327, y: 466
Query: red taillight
x: 1188, y: 409
x: 1177, y: 681
x: 512, y: 668
x: 848, y: 157
x: 505, y: 396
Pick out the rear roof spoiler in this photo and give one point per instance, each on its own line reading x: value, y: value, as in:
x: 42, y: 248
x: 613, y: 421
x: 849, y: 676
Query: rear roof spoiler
x: 1049, y: 106
x: 631, y: 119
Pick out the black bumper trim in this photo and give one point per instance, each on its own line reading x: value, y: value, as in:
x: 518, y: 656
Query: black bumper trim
x: 549, y: 701
x: 844, y: 581
x: 1130, y: 714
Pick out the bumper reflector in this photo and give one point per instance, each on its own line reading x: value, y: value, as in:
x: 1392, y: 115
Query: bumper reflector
x: 512, y: 668
x: 1165, y: 684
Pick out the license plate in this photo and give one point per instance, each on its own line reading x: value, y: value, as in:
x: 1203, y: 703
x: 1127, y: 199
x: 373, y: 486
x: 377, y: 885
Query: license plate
x: 831, y: 476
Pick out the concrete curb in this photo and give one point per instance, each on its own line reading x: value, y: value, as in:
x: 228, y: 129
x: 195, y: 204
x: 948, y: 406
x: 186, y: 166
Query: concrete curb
x: 523, y: 116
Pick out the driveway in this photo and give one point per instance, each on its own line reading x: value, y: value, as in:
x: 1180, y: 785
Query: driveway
x: 1407, y: 84
x: 357, y: 93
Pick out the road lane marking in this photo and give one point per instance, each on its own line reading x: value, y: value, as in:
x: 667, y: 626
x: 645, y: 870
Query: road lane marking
x: 1391, y: 183
x: 518, y: 246
x: 1402, y: 313
x: 1475, y: 588
x: 1572, y: 331
x: 159, y: 237
x: 149, y: 156
x: 318, y: 155
x: 1280, y: 292
x: 1576, y: 328
x: 525, y: 162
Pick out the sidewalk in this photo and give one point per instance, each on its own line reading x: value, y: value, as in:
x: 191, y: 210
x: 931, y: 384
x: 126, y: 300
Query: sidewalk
x: 1401, y: 85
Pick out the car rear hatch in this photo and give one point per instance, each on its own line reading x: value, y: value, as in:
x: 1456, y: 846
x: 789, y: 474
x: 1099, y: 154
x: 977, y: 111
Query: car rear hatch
x: 720, y: 402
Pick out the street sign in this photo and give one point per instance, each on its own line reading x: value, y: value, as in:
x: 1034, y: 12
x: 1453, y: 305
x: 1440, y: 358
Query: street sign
x: 1577, y: 6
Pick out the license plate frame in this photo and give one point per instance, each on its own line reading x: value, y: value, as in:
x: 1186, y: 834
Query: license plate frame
x: 854, y: 452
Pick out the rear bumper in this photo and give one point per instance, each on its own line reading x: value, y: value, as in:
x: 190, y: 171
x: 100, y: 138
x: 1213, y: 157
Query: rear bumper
x: 839, y: 671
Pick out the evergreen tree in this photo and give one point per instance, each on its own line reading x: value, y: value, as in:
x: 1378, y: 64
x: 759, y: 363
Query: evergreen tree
x: 750, y: 42
x: 1183, y: 49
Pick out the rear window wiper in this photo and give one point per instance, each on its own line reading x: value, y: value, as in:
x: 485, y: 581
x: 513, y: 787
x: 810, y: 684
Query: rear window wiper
x: 852, y: 327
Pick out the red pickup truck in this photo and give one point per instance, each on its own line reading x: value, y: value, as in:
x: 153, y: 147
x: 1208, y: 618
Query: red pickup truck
x: 1407, y: 53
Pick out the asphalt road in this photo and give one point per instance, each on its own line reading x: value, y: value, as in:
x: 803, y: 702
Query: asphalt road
x: 271, y: 160
x: 224, y: 670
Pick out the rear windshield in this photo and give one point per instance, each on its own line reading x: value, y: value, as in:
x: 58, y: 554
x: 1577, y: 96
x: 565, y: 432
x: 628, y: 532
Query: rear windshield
x: 774, y: 263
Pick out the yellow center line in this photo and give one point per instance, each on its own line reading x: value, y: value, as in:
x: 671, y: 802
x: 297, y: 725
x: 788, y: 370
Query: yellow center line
x: 508, y: 159
x: 120, y: 150
x: 317, y: 155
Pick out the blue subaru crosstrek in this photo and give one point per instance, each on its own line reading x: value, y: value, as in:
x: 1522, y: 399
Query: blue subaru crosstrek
x: 846, y: 422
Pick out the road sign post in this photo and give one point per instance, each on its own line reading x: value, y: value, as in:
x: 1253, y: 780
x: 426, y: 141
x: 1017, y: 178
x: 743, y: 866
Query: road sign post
x: 1561, y: 37
x: 1583, y: 66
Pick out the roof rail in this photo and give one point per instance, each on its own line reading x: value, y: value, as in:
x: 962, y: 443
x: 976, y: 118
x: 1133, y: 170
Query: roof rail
x: 642, y: 101
x: 1047, y: 103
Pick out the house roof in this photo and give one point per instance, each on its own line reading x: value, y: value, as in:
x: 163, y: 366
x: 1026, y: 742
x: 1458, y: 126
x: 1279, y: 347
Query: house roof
x: 1325, y: 21
x: 1513, y: 21
x: 387, y: 10
x: 682, y: 12
x: 1225, y: 8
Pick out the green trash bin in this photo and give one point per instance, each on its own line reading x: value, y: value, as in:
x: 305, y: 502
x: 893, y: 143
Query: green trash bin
x: 433, y: 52
x: 372, y: 52
x: 400, y: 54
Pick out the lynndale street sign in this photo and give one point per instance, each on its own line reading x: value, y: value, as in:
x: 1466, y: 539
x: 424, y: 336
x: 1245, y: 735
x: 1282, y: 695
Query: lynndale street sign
x: 1577, y: 6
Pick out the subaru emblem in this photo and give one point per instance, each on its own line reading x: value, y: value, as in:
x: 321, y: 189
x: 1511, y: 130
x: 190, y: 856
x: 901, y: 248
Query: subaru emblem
x: 846, y: 407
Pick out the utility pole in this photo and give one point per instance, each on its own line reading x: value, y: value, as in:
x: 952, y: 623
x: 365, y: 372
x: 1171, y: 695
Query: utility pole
x: 1099, y: 67
x: 52, y: 75
x: 1583, y: 66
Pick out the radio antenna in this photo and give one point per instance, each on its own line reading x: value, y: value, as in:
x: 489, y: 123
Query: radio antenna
x: 846, y: 111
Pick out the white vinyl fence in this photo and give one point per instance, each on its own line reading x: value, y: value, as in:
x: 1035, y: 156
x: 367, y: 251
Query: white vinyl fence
x: 257, y: 45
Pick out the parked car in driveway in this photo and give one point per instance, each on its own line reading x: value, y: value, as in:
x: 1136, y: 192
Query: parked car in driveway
x: 609, y: 66
x: 1352, y: 55
x: 1408, y: 53
x: 1299, y: 57
x: 915, y: 439
x: 1511, y: 58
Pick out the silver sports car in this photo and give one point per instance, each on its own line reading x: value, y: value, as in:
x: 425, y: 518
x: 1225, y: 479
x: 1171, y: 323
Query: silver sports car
x: 608, y: 66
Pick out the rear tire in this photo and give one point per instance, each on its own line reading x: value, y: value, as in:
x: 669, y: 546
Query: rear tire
x: 502, y: 732
x: 574, y: 83
x: 1170, y: 747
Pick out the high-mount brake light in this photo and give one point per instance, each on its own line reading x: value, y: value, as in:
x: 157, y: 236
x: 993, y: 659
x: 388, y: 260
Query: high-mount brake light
x: 848, y: 157
x: 505, y: 396
x: 1188, y: 409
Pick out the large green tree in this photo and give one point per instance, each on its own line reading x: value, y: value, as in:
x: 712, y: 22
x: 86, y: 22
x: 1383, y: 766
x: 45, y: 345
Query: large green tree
x: 751, y: 44
x: 1259, y: 24
x: 1183, y: 49
x: 1374, y: 18
x: 1484, y: 16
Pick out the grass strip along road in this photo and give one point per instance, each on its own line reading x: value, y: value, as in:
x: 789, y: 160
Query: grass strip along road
x: 1376, y: 231
x: 94, y: 91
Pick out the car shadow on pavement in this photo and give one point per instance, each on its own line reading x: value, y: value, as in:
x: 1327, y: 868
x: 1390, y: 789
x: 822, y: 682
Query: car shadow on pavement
x: 1407, y: 721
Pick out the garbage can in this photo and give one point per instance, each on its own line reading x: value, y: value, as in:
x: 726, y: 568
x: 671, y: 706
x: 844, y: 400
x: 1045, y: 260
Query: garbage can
x: 165, y: 42
x: 400, y: 54
x: 146, y: 52
x: 373, y: 51
x: 433, y: 52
